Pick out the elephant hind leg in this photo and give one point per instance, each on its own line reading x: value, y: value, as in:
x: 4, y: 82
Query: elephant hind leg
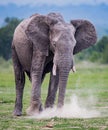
x: 19, y: 81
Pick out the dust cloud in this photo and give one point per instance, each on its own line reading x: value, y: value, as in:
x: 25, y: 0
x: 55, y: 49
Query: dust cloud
x: 75, y: 108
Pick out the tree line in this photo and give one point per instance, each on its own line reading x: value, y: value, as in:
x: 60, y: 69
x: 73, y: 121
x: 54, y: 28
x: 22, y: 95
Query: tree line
x: 6, y: 36
x: 96, y: 53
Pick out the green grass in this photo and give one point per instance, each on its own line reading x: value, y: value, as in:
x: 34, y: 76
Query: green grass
x: 88, y: 80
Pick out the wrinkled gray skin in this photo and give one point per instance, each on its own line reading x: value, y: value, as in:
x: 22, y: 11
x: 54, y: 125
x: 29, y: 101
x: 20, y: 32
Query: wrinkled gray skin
x: 43, y: 44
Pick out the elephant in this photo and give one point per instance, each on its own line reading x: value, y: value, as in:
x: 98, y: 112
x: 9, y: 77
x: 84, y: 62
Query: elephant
x: 43, y: 44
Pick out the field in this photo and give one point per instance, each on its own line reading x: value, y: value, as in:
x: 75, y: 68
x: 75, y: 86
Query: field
x: 89, y: 84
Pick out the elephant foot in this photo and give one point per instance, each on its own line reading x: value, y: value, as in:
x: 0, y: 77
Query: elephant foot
x: 34, y: 109
x: 60, y: 105
x: 49, y: 105
x: 17, y: 112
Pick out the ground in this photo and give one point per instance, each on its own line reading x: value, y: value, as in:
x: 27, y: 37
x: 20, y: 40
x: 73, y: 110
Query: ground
x: 90, y: 84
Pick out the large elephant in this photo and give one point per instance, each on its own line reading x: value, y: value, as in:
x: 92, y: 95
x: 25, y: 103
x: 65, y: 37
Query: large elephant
x: 42, y: 44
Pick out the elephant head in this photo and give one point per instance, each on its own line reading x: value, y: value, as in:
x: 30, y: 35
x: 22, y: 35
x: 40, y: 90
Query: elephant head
x: 51, y: 32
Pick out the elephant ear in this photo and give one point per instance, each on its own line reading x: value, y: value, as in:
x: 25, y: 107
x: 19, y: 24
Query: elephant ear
x: 85, y: 35
x: 38, y: 33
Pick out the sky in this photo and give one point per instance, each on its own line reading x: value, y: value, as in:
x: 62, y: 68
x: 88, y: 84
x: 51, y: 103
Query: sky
x: 95, y: 11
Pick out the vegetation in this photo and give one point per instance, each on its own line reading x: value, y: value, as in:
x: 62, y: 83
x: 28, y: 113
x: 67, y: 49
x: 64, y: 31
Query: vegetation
x: 97, y: 53
x: 6, y: 35
x: 89, y: 80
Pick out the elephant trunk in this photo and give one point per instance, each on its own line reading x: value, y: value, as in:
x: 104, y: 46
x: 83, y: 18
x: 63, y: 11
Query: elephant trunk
x: 63, y: 77
x: 63, y: 67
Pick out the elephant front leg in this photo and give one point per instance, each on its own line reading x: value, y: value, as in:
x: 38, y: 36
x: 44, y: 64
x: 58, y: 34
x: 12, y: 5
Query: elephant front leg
x: 35, y: 103
x: 52, y: 90
x: 36, y: 75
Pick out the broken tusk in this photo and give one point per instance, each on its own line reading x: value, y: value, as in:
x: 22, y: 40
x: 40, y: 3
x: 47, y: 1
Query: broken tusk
x: 54, y: 69
x: 73, y: 69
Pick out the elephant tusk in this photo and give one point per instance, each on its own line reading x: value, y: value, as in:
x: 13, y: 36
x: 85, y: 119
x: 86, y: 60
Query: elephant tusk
x: 74, y: 69
x: 54, y: 69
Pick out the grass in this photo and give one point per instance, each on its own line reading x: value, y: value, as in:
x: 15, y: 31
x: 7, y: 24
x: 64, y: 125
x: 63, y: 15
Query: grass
x: 89, y: 80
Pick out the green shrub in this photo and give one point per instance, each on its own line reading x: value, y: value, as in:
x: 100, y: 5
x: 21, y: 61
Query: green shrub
x: 5, y: 64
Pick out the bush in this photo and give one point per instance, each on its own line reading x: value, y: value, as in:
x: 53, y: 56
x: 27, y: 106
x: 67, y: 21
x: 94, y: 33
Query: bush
x: 105, y: 55
x: 97, y: 53
x: 5, y: 64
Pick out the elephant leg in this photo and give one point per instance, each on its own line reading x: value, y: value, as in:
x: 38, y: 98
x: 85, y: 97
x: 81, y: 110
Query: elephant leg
x: 19, y: 81
x: 52, y: 90
x: 36, y: 76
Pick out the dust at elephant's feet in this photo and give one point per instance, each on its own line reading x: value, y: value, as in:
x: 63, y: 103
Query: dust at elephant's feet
x: 31, y: 111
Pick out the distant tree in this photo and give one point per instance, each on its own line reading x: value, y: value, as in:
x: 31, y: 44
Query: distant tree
x: 102, y: 43
x: 6, y: 35
x: 104, y: 49
x: 105, y: 55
